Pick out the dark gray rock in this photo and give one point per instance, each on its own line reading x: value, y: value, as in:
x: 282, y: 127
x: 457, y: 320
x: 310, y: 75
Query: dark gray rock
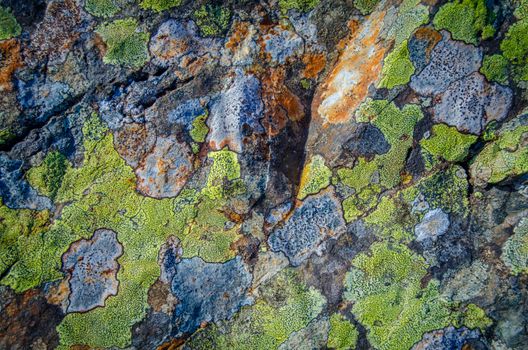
x: 367, y: 141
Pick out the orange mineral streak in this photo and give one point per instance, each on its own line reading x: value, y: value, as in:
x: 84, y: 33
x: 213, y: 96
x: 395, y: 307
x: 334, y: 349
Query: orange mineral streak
x: 10, y: 53
x: 240, y: 32
x: 280, y: 103
x: 314, y: 63
x: 358, y: 66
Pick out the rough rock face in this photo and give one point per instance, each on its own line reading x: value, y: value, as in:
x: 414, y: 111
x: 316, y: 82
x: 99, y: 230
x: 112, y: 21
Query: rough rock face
x: 250, y: 175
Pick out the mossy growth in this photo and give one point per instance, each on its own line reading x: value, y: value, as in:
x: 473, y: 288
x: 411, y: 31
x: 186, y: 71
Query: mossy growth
x: 9, y: 26
x: 213, y: 20
x: 515, y: 48
x: 159, y: 5
x: 103, y: 8
x: 448, y: 143
x: 315, y: 176
x: 505, y: 157
x: 199, y: 128
x: 495, y: 68
x: 474, y: 317
x: 343, y: 334
x: 47, y: 177
x: 6, y: 136
x: 299, y: 5
x: 306, y: 83
x: 126, y: 45
x: 397, y: 67
x: 521, y: 10
x: 285, y: 305
x: 515, y: 250
x: 467, y: 20
x: 21, y: 235
x: 365, y: 7
x: 392, y: 301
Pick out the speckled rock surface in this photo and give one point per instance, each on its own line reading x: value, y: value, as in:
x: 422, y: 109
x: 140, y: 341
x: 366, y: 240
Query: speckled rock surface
x: 260, y: 175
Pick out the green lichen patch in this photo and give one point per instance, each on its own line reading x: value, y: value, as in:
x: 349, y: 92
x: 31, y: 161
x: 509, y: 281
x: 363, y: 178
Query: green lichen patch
x: 515, y: 250
x: 285, y: 305
x: 212, y: 20
x: 521, y: 11
x: 505, y: 157
x: 159, y: 5
x: 299, y: 5
x: 495, y: 68
x: 126, y: 45
x: 9, y: 26
x: 199, y: 129
x: 467, y: 20
x: 47, y: 177
x: 448, y: 143
x: 343, y: 334
x: 515, y: 48
x: 316, y: 176
x: 474, y: 317
x: 411, y: 15
x: 103, y: 8
x: 5, y: 136
x: 365, y: 6
x: 397, y: 67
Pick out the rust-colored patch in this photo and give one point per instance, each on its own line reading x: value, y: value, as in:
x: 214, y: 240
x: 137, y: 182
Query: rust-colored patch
x: 58, y: 293
x: 429, y: 35
x: 174, y: 344
x: 240, y: 32
x: 358, y: 66
x: 130, y: 141
x: 10, y: 53
x: 161, y: 298
x: 314, y: 63
x: 280, y: 103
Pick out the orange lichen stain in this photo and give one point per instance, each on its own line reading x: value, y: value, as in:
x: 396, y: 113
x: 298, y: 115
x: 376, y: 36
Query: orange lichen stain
x: 240, y: 32
x: 358, y: 66
x: 10, y: 53
x: 429, y: 35
x: 281, y: 104
x: 314, y: 63
x: 57, y: 294
x: 174, y: 344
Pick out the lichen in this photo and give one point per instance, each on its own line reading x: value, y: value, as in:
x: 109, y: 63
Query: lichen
x: 212, y: 20
x: 159, y: 5
x: 397, y: 67
x: 9, y: 26
x: 47, y: 177
x: 315, y: 176
x: 126, y: 45
x: 495, y: 68
x: 467, y: 20
x: 448, y: 143
x: 299, y: 5
x: 199, y: 128
x: 365, y: 7
x: 343, y: 334
x: 514, y: 47
x: 515, y: 250
x: 103, y: 8
x: 286, y: 305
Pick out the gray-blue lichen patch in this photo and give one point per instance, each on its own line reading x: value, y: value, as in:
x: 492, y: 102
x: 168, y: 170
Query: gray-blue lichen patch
x: 317, y: 219
x: 282, y: 44
x: 450, y: 338
x: 208, y: 292
x: 91, y: 266
x: 234, y: 110
x: 433, y: 225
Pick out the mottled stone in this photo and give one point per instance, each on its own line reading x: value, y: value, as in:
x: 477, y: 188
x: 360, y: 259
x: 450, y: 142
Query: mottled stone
x: 451, y: 338
x: 282, y: 44
x: 15, y: 190
x: 433, y: 225
x: 233, y: 111
x: 208, y: 292
x: 311, y: 337
x: 164, y: 171
x: 367, y: 141
x: 318, y: 218
x: 92, y: 268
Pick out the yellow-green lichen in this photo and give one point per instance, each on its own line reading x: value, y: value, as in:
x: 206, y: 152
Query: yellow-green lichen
x: 411, y: 15
x: 213, y: 20
x: 495, y: 68
x: 448, y: 143
x: 299, y: 5
x: 343, y: 334
x: 365, y: 6
x: 47, y: 177
x: 515, y: 250
x: 126, y: 44
x: 285, y: 305
x: 514, y: 47
x: 397, y: 67
x: 103, y: 8
x: 9, y: 26
x: 505, y: 157
x: 315, y: 176
x: 159, y: 5
x: 199, y: 128
x: 467, y: 20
